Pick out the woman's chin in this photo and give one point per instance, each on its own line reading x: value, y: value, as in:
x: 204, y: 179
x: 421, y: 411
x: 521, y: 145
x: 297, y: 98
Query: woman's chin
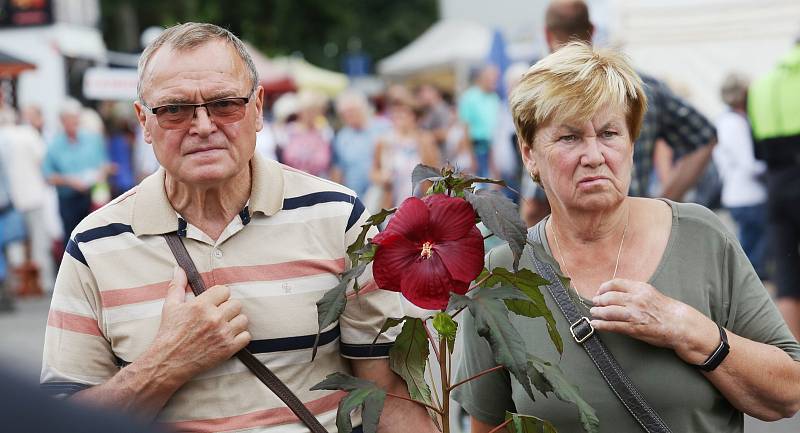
x: 598, y: 200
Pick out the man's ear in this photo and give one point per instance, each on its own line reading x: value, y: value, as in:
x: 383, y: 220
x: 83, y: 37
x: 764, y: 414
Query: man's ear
x: 142, y: 118
x: 259, y: 96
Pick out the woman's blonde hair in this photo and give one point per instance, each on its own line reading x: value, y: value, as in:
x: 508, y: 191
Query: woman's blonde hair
x: 574, y: 83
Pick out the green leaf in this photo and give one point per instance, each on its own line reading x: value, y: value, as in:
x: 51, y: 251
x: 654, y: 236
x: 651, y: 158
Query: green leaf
x: 501, y: 216
x: 389, y: 323
x: 493, y: 324
x: 360, y: 393
x: 360, y: 242
x: 332, y: 304
x: 535, y: 306
x: 565, y: 391
x: 467, y: 181
x: 407, y: 358
x: 528, y: 424
x: 422, y: 173
x: 446, y: 327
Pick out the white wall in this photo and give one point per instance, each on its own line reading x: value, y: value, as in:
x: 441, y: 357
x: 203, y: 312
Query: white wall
x: 693, y: 45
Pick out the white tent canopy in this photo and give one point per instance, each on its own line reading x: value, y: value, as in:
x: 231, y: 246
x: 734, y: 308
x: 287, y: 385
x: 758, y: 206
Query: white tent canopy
x: 694, y: 44
x: 447, y: 44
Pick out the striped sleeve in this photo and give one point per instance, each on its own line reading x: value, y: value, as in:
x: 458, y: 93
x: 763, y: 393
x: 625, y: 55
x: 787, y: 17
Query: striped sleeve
x: 366, y: 312
x: 76, y: 354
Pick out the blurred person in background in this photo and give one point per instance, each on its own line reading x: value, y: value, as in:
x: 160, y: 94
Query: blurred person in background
x: 121, y: 139
x: 307, y: 145
x: 23, y: 408
x: 75, y: 161
x: 506, y: 162
x: 436, y: 113
x: 354, y: 145
x: 477, y: 108
x: 457, y: 151
x: 32, y: 115
x: 773, y: 105
x: 400, y: 150
x: 743, y: 191
x: 23, y: 151
x: 7, y: 212
x: 690, y: 135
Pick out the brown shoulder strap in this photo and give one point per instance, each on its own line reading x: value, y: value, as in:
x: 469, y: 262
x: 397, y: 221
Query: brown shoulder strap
x: 260, y: 370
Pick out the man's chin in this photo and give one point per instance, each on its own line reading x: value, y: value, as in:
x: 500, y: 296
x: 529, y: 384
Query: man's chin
x: 208, y: 175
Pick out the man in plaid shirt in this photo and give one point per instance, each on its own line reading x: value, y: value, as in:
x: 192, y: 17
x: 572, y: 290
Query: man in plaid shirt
x: 688, y: 133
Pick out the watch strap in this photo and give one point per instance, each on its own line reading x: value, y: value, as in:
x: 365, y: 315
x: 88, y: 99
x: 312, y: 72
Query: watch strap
x: 716, y: 358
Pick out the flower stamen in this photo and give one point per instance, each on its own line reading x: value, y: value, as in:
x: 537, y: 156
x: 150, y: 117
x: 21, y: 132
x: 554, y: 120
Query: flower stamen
x: 427, y: 248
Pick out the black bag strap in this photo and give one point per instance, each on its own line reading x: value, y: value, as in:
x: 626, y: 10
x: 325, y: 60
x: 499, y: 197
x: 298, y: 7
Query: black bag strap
x: 253, y: 364
x: 583, y: 333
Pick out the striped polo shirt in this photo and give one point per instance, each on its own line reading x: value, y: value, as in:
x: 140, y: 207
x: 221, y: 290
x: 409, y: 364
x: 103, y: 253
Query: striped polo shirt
x: 279, y: 256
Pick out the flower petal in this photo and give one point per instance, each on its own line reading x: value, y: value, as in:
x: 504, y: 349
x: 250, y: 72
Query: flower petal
x: 427, y: 284
x: 393, y: 257
x: 463, y: 258
x: 410, y: 220
x: 450, y: 217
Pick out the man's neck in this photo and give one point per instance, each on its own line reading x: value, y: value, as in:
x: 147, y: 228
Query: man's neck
x: 210, y: 208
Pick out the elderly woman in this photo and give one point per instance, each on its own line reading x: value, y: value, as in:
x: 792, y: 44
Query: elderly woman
x: 659, y: 281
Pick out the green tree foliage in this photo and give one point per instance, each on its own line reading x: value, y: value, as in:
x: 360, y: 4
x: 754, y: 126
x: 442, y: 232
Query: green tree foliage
x: 281, y: 27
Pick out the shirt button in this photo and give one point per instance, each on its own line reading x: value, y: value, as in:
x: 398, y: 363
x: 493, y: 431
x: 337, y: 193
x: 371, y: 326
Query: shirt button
x: 218, y: 254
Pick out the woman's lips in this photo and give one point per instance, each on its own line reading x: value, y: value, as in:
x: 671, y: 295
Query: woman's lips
x: 592, y: 180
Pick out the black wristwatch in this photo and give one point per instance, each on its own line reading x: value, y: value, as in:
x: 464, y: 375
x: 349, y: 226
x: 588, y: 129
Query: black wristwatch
x: 716, y: 358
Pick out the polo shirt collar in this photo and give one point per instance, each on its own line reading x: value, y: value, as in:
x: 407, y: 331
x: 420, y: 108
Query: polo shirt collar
x: 154, y: 215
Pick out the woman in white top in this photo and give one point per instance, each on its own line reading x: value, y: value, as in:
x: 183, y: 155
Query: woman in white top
x: 743, y: 192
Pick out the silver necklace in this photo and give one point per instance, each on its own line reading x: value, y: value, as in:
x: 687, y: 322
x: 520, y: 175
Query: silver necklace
x: 616, y: 264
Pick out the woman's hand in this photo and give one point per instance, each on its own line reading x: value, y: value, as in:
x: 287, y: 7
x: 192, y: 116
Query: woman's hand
x: 639, y: 310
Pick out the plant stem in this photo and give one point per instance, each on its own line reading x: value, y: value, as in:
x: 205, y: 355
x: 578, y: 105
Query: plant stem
x: 433, y: 408
x: 430, y: 338
x: 488, y: 236
x: 434, y: 391
x: 501, y: 426
x: 499, y: 367
x: 445, y: 385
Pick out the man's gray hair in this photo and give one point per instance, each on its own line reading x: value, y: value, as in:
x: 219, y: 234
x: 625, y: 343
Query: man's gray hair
x: 192, y: 35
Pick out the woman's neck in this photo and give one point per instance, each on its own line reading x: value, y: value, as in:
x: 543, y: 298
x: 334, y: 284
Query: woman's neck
x: 210, y: 208
x: 579, y: 229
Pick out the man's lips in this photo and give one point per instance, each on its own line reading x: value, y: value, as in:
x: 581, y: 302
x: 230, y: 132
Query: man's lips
x: 203, y: 149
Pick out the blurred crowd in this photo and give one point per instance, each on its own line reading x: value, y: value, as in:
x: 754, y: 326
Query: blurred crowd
x: 52, y: 176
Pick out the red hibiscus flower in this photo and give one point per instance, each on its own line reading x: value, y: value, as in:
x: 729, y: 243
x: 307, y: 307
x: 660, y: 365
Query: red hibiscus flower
x: 430, y: 248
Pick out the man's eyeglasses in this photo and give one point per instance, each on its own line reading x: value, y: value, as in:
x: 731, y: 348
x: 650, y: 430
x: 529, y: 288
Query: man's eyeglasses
x: 179, y: 116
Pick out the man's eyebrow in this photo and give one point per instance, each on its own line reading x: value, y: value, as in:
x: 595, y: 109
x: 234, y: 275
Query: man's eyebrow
x: 168, y: 100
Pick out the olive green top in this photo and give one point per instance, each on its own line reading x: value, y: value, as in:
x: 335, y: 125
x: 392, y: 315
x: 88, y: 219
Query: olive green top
x: 702, y: 266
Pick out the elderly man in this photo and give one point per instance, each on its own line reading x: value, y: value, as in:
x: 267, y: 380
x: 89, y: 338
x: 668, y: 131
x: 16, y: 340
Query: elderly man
x: 75, y: 161
x: 269, y: 239
x: 354, y: 144
x: 687, y: 132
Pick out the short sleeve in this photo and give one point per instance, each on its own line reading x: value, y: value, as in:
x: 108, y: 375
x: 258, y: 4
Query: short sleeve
x: 77, y: 355
x: 488, y: 397
x: 752, y: 314
x: 680, y: 124
x: 367, y: 310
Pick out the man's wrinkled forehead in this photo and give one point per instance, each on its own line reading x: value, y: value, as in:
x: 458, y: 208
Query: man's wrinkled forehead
x: 205, y: 63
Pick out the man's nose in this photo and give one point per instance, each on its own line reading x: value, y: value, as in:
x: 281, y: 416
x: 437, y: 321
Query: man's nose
x: 202, y: 124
